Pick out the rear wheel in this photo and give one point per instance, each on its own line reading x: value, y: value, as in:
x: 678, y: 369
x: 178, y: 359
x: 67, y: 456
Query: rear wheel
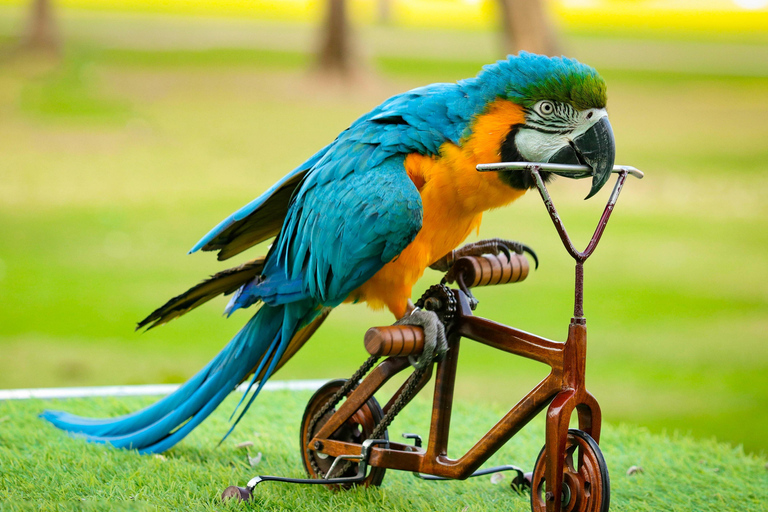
x: 586, y: 486
x: 355, y: 430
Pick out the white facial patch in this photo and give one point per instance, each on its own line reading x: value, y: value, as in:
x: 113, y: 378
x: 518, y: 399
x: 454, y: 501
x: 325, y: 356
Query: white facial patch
x: 536, y: 146
x: 539, y: 146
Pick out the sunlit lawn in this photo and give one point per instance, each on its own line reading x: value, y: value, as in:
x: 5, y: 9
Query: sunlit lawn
x: 115, y: 163
x: 45, y: 469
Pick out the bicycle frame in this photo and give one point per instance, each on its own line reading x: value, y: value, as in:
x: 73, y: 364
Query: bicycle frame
x: 567, y: 370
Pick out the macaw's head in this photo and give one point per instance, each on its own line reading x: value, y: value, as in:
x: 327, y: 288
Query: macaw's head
x: 565, y: 120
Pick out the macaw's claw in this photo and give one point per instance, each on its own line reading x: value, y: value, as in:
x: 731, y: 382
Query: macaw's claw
x: 493, y: 246
x: 509, y: 246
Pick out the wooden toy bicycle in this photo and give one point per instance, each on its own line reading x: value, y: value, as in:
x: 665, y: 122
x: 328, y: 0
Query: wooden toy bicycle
x: 344, y: 429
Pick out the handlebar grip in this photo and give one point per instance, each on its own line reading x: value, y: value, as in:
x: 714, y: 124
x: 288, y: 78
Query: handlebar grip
x: 394, y: 340
x: 492, y: 269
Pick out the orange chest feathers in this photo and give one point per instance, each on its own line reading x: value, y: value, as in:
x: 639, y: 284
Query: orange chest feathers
x: 454, y: 196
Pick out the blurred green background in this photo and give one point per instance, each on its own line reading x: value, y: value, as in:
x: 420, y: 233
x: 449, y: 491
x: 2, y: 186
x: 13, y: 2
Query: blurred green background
x: 153, y: 121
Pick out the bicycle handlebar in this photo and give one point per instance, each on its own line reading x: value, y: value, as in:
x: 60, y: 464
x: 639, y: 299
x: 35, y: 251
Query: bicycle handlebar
x: 574, y: 172
x: 564, y: 170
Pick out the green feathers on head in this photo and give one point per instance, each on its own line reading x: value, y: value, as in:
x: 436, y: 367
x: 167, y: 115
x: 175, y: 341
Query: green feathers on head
x: 528, y: 78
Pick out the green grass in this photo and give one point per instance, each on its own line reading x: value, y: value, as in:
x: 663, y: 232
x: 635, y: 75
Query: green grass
x: 114, y: 161
x: 44, y: 469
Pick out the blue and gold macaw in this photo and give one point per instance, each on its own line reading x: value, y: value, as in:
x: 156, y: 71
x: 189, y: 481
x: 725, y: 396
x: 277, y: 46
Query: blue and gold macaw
x: 363, y: 218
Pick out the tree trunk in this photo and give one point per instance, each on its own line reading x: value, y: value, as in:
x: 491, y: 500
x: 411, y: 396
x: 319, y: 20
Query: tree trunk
x: 527, y: 26
x: 385, y: 11
x: 41, y: 33
x: 335, y: 56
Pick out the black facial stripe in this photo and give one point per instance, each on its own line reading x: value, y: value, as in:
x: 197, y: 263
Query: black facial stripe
x: 509, y: 152
x: 547, y: 130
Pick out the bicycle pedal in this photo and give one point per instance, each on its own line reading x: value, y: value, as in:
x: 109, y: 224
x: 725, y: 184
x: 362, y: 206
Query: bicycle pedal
x: 416, y: 438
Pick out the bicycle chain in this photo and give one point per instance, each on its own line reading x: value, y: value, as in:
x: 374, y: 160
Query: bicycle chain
x: 401, y: 401
x: 343, y: 391
x: 446, y: 312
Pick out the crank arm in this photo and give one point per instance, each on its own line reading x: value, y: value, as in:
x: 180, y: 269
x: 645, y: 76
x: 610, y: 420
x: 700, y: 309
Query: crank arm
x: 245, y: 493
x: 359, y: 477
x: 519, y: 480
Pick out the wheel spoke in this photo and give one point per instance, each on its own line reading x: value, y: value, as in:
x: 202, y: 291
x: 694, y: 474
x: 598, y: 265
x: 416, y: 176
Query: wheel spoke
x: 569, y: 458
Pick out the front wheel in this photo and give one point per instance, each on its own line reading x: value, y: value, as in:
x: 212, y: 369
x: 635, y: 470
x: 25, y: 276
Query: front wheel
x: 355, y: 430
x: 586, y: 486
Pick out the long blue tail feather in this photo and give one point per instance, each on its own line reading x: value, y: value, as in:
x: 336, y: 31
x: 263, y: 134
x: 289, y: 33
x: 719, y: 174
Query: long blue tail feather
x: 146, y: 416
x: 269, y: 354
x: 273, y: 360
x: 163, y: 424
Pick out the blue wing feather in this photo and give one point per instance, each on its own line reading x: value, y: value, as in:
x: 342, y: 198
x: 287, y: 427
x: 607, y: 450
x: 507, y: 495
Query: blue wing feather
x: 340, y: 233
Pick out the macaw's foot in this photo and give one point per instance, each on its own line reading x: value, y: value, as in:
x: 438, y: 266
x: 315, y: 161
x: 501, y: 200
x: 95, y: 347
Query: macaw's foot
x: 435, y: 343
x: 493, y: 246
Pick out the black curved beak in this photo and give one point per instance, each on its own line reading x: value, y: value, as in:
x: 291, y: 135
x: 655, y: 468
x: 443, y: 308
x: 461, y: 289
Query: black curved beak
x: 595, y: 148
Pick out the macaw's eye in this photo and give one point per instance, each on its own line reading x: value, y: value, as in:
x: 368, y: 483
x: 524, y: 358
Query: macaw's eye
x: 546, y: 108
